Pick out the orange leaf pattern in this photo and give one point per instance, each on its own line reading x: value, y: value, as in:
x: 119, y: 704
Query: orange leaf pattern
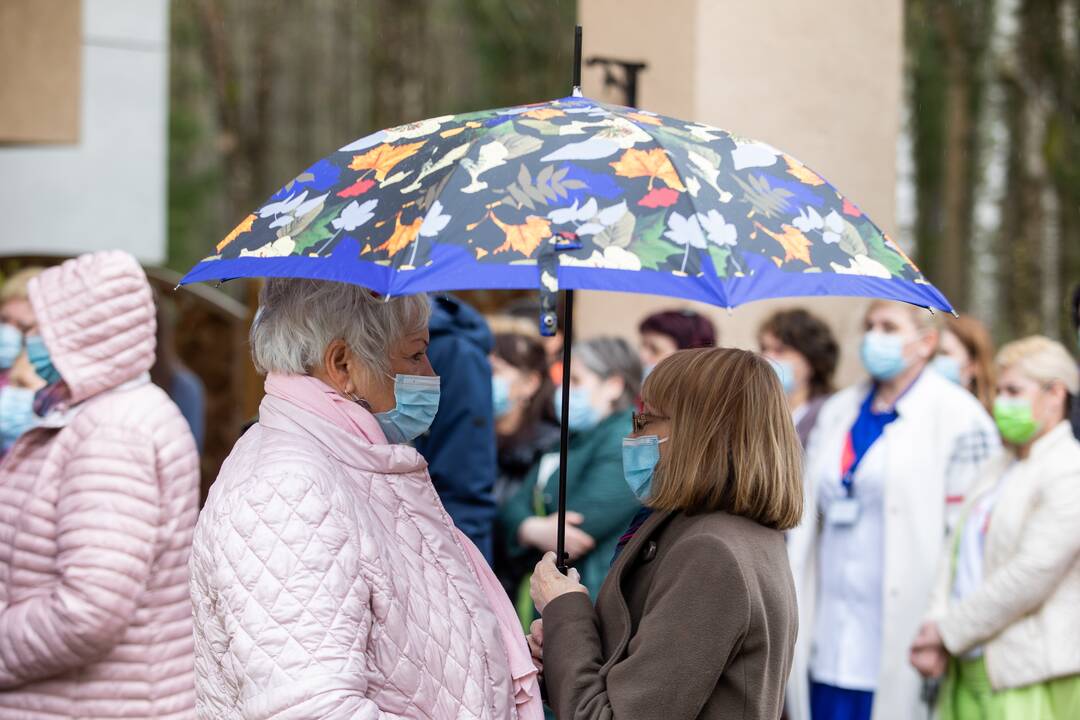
x: 383, y: 158
x: 802, y: 173
x: 402, y: 237
x: 653, y: 163
x: 796, y: 245
x: 243, y: 227
x: 524, y: 238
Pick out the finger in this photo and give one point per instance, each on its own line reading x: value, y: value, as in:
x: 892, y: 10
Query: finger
x: 536, y: 629
x: 574, y: 518
x: 574, y: 575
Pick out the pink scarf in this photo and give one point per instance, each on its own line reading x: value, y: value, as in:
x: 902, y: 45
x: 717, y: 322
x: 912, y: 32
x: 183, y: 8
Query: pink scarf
x: 522, y: 671
x: 318, y: 398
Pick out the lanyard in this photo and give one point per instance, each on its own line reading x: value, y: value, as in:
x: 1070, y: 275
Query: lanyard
x: 865, y: 431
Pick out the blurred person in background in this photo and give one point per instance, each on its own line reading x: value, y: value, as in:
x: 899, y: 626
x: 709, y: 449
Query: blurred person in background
x: 663, y: 334
x: 525, y: 426
x: 171, y: 375
x: 605, y: 378
x: 888, y: 466
x: 328, y: 580
x: 966, y: 356
x: 16, y: 317
x: 16, y: 396
x: 1004, y: 622
x: 17, y: 402
x: 525, y: 422
x: 804, y: 354
x: 1074, y: 317
x: 460, y: 445
x: 698, y: 617
x: 97, y: 508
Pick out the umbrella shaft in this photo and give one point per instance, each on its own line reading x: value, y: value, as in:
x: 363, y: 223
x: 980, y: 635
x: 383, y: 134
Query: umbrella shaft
x: 568, y: 339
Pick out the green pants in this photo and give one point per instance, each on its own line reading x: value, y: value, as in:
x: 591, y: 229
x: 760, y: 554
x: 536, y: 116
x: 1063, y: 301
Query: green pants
x: 966, y: 695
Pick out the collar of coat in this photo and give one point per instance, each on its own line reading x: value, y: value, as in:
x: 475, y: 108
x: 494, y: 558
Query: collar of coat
x: 620, y: 618
x: 347, y: 448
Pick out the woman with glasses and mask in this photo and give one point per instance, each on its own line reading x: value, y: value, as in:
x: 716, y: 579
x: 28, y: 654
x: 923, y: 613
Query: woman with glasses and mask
x: 887, y: 468
x: 1005, y: 617
x: 697, y: 618
x: 604, y: 380
x: 327, y: 578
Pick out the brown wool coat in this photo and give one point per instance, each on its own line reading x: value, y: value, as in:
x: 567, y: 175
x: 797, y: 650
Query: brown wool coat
x: 696, y: 620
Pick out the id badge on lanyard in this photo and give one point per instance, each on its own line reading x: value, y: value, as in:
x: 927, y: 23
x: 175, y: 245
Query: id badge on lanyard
x: 844, y: 511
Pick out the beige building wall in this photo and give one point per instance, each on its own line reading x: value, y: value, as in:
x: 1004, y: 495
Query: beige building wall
x: 823, y: 86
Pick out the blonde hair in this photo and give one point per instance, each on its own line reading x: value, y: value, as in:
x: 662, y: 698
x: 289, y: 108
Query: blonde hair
x: 15, y: 287
x: 1041, y: 359
x: 733, y: 446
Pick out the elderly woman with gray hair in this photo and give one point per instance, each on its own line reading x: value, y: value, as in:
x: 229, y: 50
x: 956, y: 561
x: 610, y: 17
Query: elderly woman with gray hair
x: 605, y: 377
x: 326, y: 577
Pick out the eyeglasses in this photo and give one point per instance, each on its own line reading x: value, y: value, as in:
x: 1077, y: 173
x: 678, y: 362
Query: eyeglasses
x: 642, y: 420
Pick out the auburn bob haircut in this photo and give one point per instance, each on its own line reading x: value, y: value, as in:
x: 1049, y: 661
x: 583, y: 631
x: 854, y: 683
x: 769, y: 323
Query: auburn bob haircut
x: 733, y: 445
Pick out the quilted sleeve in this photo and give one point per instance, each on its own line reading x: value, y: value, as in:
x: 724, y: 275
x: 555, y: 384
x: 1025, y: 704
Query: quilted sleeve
x: 1047, y: 549
x: 108, y: 510
x: 294, y: 603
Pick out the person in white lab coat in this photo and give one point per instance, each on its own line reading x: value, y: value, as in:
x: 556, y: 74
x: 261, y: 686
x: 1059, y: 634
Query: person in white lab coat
x: 887, y: 468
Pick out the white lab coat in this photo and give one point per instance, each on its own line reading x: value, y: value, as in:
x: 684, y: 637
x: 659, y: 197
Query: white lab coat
x: 934, y: 450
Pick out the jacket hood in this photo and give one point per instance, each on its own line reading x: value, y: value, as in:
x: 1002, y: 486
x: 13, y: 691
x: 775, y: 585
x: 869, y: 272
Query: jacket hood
x: 96, y: 316
x: 450, y: 316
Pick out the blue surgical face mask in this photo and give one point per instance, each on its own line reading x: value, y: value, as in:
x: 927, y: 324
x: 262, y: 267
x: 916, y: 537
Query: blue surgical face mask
x: 883, y: 355
x: 417, y: 401
x: 785, y: 372
x: 500, y: 396
x: 11, y: 342
x: 40, y: 359
x: 639, y: 458
x: 948, y: 368
x: 16, y: 413
x: 583, y: 416
x: 647, y: 371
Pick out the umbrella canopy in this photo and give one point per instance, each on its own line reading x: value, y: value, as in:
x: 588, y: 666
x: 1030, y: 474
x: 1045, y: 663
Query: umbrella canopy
x: 569, y: 194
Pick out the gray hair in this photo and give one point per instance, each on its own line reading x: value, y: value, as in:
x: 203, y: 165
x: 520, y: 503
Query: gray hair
x: 298, y: 318
x: 613, y: 357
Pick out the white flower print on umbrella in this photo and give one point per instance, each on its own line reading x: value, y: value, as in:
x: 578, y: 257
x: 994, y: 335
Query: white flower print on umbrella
x: 434, y: 223
x: 831, y: 226
x: 352, y: 216
x: 686, y: 233
x: 588, y: 219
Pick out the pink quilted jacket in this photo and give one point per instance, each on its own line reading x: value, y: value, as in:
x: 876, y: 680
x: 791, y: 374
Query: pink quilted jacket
x: 96, y: 516
x: 327, y: 583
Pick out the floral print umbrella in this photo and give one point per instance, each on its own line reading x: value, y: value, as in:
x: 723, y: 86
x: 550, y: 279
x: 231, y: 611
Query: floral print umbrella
x: 569, y: 194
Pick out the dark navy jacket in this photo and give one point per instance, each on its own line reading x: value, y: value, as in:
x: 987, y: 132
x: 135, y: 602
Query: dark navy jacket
x: 460, y: 447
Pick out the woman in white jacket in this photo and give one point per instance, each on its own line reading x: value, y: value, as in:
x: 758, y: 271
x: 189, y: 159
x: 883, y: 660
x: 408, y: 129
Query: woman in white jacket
x: 1006, y: 607
x: 888, y: 465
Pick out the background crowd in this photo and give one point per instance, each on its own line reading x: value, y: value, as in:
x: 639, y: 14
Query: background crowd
x: 937, y: 563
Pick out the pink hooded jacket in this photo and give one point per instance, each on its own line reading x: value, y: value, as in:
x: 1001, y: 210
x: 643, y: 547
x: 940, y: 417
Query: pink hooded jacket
x: 328, y: 582
x: 97, y: 509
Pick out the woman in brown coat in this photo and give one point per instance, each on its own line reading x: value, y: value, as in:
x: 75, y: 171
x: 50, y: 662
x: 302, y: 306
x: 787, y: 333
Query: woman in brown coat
x: 697, y: 618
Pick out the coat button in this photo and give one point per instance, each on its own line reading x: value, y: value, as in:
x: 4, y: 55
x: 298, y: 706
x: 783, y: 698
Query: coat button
x: 650, y: 552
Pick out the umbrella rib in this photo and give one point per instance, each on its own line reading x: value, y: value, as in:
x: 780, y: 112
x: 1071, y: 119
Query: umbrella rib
x: 453, y: 171
x: 682, y: 179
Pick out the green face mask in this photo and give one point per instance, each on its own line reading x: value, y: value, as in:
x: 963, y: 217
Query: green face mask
x: 1014, y: 420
